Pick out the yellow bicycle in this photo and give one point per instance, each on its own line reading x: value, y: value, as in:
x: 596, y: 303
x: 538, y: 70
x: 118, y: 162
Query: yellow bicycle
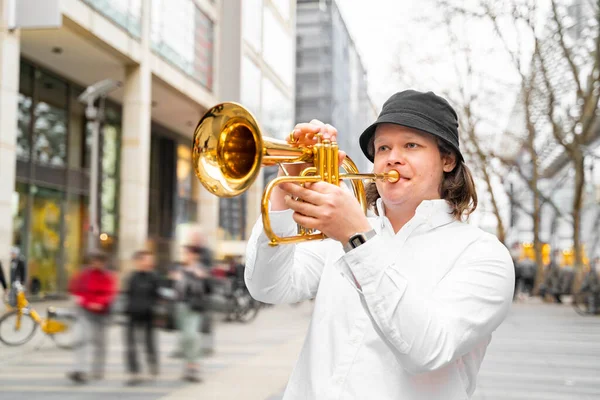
x: 19, y: 323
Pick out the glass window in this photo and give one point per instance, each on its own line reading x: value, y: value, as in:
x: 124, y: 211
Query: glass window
x: 278, y: 48
x: 77, y: 123
x: 19, y: 210
x: 24, y: 111
x: 75, y: 236
x: 109, y: 191
x: 183, y: 35
x: 44, y: 238
x: 125, y: 13
x: 252, y: 22
x: 184, y: 171
x: 187, y: 186
x: 50, y: 126
x: 232, y: 217
x: 277, y: 113
x: 250, y: 91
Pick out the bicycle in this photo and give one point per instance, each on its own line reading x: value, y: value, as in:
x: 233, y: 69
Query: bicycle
x: 19, y: 323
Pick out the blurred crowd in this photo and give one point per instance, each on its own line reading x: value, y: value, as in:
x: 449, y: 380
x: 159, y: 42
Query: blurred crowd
x: 145, y: 300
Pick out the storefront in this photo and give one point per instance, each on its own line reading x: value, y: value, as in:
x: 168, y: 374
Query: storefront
x: 52, y: 178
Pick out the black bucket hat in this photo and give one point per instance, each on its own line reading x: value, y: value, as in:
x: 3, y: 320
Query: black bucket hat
x: 425, y: 112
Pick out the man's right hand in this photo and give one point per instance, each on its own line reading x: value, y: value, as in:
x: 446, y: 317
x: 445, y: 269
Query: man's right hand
x: 304, y: 135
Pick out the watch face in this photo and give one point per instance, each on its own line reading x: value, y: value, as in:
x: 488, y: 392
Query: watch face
x: 357, y: 241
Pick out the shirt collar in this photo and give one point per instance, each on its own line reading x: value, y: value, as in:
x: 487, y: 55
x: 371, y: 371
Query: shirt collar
x: 433, y: 212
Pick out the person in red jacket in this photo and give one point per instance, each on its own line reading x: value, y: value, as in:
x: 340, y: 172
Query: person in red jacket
x: 94, y: 289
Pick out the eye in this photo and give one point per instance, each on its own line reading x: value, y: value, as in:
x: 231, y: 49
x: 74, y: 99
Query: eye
x: 411, y: 145
x: 382, y: 147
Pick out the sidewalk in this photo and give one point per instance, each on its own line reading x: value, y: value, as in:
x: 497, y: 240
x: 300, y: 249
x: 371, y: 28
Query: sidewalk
x: 252, y: 362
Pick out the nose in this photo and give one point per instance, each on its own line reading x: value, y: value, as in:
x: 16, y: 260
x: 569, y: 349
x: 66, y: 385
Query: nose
x: 396, y: 157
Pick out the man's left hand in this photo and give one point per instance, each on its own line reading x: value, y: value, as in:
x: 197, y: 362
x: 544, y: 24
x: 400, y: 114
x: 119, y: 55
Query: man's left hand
x: 327, y: 208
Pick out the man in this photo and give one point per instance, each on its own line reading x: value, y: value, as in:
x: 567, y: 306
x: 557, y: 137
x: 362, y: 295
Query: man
x: 406, y: 302
x: 142, y: 295
x: 17, y: 267
x: 191, y: 284
x: 3, y: 280
x: 95, y: 291
x: 552, y: 277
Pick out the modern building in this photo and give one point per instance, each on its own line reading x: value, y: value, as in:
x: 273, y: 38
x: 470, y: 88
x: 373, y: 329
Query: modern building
x: 175, y: 59
x: 258, y: 72
x: 331, y: 81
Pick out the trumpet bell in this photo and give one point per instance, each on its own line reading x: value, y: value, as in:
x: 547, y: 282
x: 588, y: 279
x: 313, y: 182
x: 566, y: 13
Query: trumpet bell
x: 227, y: 150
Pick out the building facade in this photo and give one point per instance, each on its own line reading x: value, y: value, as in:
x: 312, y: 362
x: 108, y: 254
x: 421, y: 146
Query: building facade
x: 175, y: 59
x: 331, y: 82
x: 258, y: 42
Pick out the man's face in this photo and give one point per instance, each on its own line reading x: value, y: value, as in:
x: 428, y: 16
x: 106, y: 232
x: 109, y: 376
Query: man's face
x: 146, y: 263
x: 415, y: 155
x: 98, y: 264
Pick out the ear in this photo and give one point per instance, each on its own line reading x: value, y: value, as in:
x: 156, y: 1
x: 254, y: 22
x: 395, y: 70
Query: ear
x: 449, y: 162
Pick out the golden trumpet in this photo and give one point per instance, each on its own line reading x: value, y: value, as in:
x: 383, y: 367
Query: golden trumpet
x: 229, y: 150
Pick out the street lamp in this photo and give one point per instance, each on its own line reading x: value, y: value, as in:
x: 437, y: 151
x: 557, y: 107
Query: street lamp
x: 95, y: 114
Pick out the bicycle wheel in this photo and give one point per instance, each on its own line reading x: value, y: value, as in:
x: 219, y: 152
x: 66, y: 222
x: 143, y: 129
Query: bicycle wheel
x: 580, y: 304
x: 246, y: 308
x: 16, y: 328
x: 70, y: 334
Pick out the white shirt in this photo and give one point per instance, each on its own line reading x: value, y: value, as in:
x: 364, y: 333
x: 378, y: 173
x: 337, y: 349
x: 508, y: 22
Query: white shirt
x: 416, y: 327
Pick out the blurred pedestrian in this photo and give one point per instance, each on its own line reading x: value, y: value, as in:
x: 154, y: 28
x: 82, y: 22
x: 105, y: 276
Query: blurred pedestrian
x: 141, y: 297
x: 17, y: 267
x: 552, y: 278
x: 192, y: 288
x: 94, y: 289
x: 3, y: 281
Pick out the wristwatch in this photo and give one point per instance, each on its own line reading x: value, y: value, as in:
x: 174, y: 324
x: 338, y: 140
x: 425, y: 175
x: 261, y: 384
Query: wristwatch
x: 357, y: 239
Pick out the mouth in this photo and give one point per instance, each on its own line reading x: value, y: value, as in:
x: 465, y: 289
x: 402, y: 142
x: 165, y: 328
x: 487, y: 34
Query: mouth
x: 401, y: 178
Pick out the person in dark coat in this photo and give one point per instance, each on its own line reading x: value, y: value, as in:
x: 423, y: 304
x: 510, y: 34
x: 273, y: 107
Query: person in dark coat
x: 17, y: 267
x: 3, y: 278
x: 142, y: 295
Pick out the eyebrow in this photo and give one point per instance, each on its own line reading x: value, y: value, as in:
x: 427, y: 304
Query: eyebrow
x: 408, y: 136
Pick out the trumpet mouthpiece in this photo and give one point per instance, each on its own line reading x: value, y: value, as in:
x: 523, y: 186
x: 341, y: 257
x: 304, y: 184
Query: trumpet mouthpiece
x: 392, y: 176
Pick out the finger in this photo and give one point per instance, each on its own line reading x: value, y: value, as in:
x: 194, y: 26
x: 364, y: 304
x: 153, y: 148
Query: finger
x: 304, y: 134
x: 330, y: 132
x: 306, y: 127
x: 317, y: 122
x: 305, y: 221
x: 307, y: 195
x: 321, y: 187
x: 302, y: 207
x: 341, y: 157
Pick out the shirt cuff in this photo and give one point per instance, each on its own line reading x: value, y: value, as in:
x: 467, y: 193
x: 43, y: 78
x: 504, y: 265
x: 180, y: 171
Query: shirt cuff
x: 282, y: 222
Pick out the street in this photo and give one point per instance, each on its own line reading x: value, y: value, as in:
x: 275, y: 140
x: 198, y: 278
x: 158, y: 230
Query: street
x: 542, y: 351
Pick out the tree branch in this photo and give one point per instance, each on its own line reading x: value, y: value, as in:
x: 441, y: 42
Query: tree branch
x: 566, y: 50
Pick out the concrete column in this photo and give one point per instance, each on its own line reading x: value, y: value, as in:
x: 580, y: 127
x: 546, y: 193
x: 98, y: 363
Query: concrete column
x: 208, y: 215
x: 135, y: 150
x: 9, y: 95
x: 253, y: 203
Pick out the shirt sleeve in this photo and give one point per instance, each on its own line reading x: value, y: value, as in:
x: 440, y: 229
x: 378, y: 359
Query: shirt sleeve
x: 431, y: 330
x: 286, y: 273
